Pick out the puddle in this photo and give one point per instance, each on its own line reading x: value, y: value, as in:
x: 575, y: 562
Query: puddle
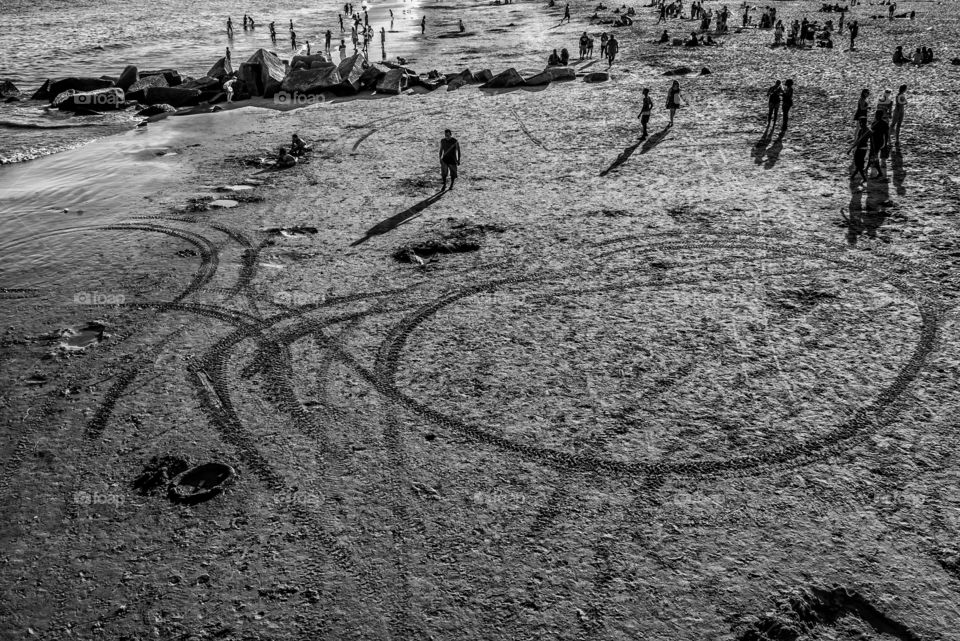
x: 75, y: 339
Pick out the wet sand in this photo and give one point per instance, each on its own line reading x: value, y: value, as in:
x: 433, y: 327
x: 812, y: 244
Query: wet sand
x: 656, y: 389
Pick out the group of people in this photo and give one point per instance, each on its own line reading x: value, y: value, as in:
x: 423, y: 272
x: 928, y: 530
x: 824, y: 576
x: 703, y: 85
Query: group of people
x: 674, y: 100
x: 779, y: 103
x: 288, y: 158
x: 922, y: 56
x: 871, y: 144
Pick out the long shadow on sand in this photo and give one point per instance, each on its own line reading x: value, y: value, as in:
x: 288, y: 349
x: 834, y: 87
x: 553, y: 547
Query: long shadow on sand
x: 866, y: 218
x: 768, y: 155
x: 899, y: 173
x: 395, y: 221
x: 624, y: 156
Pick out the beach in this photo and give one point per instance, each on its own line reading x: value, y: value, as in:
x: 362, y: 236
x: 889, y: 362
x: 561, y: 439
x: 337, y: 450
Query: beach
x: 697, y: 386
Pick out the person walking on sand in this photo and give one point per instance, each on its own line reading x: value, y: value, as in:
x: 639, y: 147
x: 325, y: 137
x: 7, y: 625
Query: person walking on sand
x: 449, y: 158
x: 673, y: 100
x: 340, y: 17
x: 879, y: 139
x: 774, y: 96
x: 885, y: 105
x: 860, y: 147
x: 900, y: 105
x: 603, y: 44
x: 423, y: 25
x: 860, y: 115
x: 229, y: 27
x: 854, y: 31
x: 612, y: 48
x: 273, y: 33
x: 787, y: 103
x: 566, y: 14
x: 645, y: 112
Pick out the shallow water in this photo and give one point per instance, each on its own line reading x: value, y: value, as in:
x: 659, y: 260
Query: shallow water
x: 56, y: 38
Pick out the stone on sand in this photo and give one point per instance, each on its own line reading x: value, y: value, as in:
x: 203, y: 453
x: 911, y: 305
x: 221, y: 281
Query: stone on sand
x: 391, y: 83
x: 204, y: 83
x: 311, y: 81
x: 221, y: 69
x: 176, y: 96
x: 53, y: 88
x: 679, y: 71
x: 172, y: 76
x: 597, y: 76
x: 351, y: 70
x: 550, y: 74
x: 8, y: 89
x: 128, y: 76
x: 372, y: 75
x: 484, y: 75
x: 504, y: 79
x: 223, y: 203
x: 137, y: 90
x: 109, y: 99
x: 263, y: 73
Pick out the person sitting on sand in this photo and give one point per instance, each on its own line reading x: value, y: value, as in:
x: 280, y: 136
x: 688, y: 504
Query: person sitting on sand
x: 664, y: 38
x: 298, y: 147
x: 553, y: 60
x: 692, y: 42
x: 462, y: 28
x: 898, y: 56
x: 564, y: 57
x: 918, y: 58
x: 707, y: 40
x: 285, y: 160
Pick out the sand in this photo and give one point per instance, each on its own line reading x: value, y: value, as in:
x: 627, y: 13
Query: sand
x: 655, y: 403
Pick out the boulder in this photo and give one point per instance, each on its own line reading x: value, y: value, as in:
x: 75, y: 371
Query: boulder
x: 57, y: 87
x: 465, y: 77
x: 372, y: 75
x: 393, y: 65
x: 484, y: 75
x: 172, y: 76
x: 153, y: 110
x: 308, y: 62
x: 221, y: 69
x: 597, y: 76
x: 550, y: 74
x: 137, y: 90
x: 311, y: 81
x: 175, y: 96
x: 391, y: 83
x: 128, y: 76
x: 430, y: 84
x: 705, y: 72
x: 206, y: 83
x: 679, y: 71
x: 504, y: 79
x: 108, y: 99
x: 267, y: 71
x: 8, y: 89
x: 350, y: 70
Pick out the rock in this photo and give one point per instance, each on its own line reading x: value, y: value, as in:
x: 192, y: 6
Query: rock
x: 435, y: 75
x: 153, y: 110
x: 8, y: 89
x: 206, y: 83
x: 309, y: 62
x: 175, y: 96
x: 223, y: 204
x: 172, y: 76
x: 100, y: 100
x: 466, y: 76
x: 483, y: 76
x: 597, y: 76
x: 137, y: 90
x: 220, y: 70
x: 503, y: 80
x: 391, y: 83
x: 372, y: 75
x: 456, y: 83
x: 679, y: 71
x: 267, y: 70
x: 53, y: 88
x: 350, y: 70
x: 550, y: 74
x: 393, y: 65
x: 311, y: 81
x: 705, y: 72
x: 431, y: 84
x: 955, y: 61
x: 128, y: 76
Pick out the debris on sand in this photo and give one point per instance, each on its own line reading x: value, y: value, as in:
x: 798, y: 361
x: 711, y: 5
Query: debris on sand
x: 158, y: 472
x: 459, y: 237
x: 75, y: 339
x: 200, y: 483
x: 296, y: 230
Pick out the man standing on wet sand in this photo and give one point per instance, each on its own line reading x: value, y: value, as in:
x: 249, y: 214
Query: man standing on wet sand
x: 449, y: 158
x: 423, y: 25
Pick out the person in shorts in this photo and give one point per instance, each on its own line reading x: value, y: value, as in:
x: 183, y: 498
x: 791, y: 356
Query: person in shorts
x: 449, y: 158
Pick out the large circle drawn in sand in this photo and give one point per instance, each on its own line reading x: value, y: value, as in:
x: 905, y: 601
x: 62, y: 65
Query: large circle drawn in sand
x: 839, y: 434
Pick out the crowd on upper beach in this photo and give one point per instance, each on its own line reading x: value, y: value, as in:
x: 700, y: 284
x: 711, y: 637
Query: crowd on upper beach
x: 872, y: 140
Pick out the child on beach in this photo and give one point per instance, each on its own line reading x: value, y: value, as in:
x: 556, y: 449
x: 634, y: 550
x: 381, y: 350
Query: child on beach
x: 228, y: 87
x: 645, y: 112
x: 673, y: 100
